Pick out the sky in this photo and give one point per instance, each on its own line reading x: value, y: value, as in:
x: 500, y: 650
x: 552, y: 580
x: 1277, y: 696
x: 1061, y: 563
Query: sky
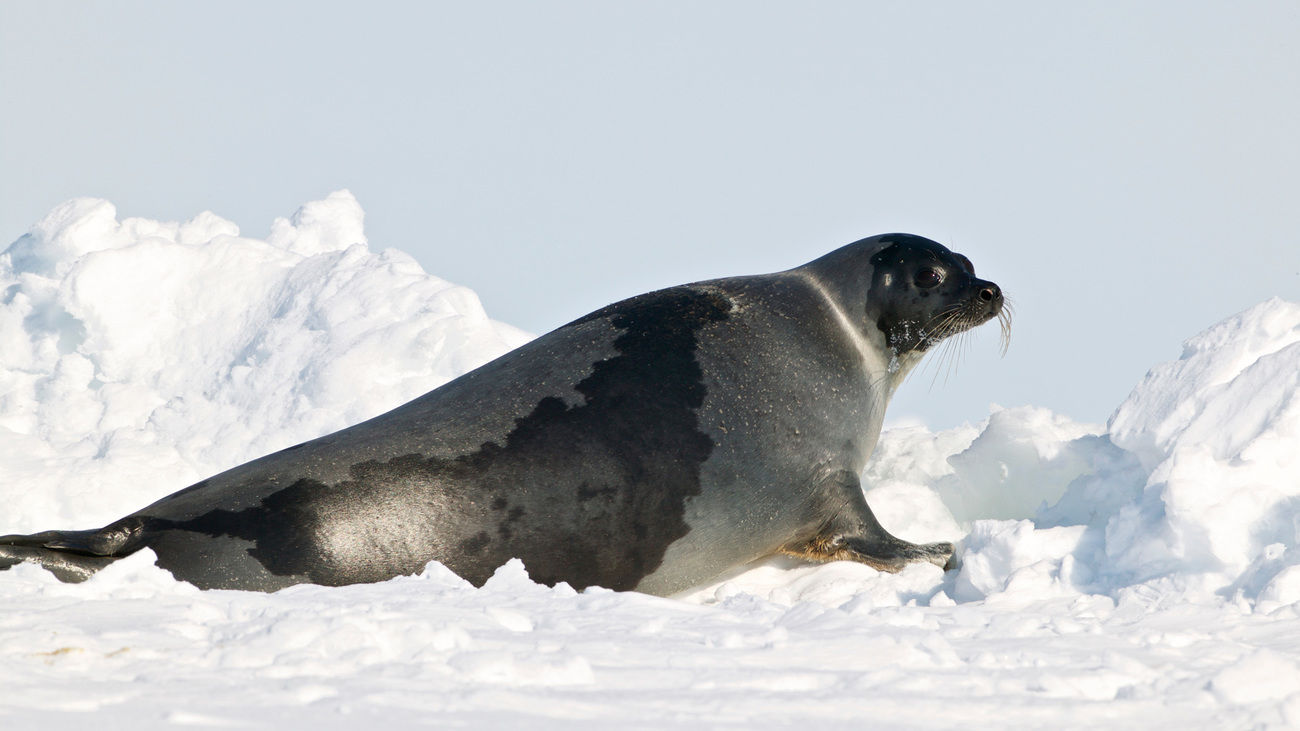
x: 1128, y: 173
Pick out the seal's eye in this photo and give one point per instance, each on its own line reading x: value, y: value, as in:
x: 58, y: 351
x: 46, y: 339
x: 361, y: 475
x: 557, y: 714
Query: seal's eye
x: 965, y: 264
x: 927, y: 278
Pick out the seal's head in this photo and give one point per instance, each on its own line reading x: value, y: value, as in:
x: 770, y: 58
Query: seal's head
x: 904, y: 294
x: 922, y: 293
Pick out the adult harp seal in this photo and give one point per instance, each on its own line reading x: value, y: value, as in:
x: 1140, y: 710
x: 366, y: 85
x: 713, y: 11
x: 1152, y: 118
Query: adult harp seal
x: 650, y: 445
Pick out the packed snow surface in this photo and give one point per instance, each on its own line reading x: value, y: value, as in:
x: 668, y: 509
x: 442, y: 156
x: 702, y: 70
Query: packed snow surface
x: 1139, y: 574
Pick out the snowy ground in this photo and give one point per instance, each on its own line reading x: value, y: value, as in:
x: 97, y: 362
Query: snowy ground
x: 1140, y: 574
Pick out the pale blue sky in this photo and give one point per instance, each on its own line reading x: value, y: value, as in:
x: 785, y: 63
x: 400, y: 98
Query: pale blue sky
x: 1128, y: 172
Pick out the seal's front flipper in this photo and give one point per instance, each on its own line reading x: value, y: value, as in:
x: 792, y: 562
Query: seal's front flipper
x: 850, y: 532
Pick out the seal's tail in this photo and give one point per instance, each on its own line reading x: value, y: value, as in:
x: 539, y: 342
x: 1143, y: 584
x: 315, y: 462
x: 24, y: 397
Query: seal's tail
x: 52, y: 550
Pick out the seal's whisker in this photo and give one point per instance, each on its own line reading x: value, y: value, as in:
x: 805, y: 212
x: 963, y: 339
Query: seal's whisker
x: 952, y: 329
x: 1005, y: 316
x: 944, y: 350
x: 960, y: 347
x: 947, y: 313
x: 943, y: 360
x: 938, y: 332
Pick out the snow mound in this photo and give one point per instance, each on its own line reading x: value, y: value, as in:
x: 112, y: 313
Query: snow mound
x: 139, y: 356
x: 1219, y: 430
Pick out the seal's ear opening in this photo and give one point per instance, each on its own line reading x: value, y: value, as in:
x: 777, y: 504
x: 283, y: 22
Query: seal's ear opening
x: 965, y: 263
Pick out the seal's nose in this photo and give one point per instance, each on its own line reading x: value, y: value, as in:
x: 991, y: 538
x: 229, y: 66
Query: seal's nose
x: 990, y: 294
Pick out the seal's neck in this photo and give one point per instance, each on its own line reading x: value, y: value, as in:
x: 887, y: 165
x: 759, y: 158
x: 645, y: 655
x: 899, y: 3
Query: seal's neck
x: 878, y: 360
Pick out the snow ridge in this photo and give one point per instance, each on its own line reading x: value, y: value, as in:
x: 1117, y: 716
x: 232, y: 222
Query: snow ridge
x: 140, y: 356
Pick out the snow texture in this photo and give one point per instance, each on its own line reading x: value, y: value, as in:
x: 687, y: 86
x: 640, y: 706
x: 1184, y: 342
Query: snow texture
x: 1139, y: 574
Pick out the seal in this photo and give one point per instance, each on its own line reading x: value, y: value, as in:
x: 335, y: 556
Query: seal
x: 650, y: 446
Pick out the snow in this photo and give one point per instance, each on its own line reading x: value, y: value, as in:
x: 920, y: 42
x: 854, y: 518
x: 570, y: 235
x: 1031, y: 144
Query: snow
x: 1136, y: 574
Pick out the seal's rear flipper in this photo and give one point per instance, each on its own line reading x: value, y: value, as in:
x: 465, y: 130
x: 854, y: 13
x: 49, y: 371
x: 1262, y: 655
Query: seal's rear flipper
x: 70, y: 567
x: 852, y: 533
x: 71, y: 555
